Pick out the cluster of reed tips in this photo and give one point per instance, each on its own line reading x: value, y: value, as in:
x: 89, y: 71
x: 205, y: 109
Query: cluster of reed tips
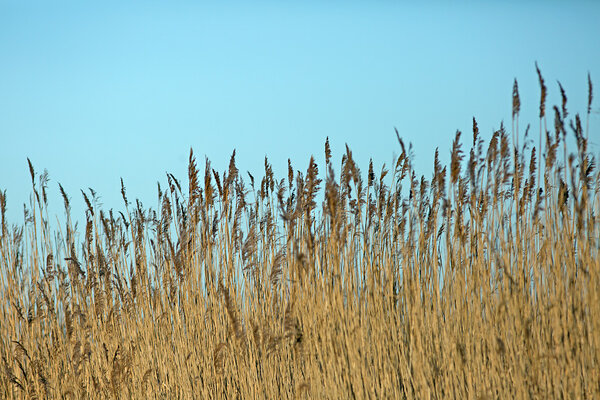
x: 483, y: 282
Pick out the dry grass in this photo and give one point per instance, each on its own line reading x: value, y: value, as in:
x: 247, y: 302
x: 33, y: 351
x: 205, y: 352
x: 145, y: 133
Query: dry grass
x: 482, y: 283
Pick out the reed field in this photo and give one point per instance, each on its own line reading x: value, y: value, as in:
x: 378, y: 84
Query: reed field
x: 482, y: 282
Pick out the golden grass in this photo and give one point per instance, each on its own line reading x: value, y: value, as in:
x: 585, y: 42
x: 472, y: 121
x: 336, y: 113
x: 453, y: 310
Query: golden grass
x: 483, y: 285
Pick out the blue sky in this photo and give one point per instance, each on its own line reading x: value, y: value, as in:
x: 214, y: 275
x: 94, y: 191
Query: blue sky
x: 96, y: 92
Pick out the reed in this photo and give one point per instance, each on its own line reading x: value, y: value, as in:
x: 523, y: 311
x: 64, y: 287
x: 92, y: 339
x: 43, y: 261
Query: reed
x: 481, y: 282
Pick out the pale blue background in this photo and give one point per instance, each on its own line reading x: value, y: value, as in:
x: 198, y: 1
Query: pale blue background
x: 95, y: 91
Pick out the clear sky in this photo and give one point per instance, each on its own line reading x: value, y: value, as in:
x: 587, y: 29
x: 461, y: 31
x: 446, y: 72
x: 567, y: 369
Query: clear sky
x: 96, y: 91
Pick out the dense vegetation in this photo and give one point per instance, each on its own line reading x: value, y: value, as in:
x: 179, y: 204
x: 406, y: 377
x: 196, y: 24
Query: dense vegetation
x: 483, y: 282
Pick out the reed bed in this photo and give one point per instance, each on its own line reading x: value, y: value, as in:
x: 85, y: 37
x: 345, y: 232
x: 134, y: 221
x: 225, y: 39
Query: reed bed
x: 480, y: 283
